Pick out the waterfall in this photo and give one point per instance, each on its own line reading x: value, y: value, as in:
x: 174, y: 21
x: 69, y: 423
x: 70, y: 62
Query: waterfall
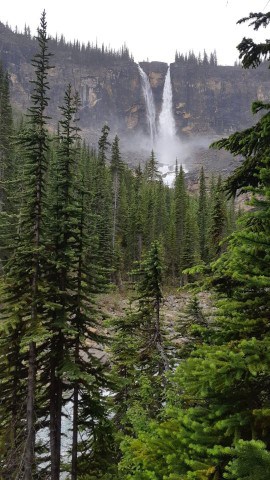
x: 150, y: 105
x: 164, y: 141
x: 166, y: 120
x: 168, y: 147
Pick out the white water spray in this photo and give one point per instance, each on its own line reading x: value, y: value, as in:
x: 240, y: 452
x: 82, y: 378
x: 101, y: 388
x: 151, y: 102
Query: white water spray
x: 167, y: 128
x: 168, y: 146
x: 150, y: 105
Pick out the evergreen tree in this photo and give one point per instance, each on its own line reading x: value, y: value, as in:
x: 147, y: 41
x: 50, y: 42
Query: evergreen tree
x: 85, y: 372
x: 6, y: 130
x: 135, y: 233
x: 171, y: 257
x: 218, y: 220
x: 190, y: 246
x: 62, y: 242
x: 103, y: 144
x: 152, y: 355
x: 116, y: 170
x: 151, y: 169
x: 148, y: 213
x: 180, y: 213
x: 203, y: 218
x: 9, y: 201
x: 101, y: 201
x: 24, y: 305
x: 160, y: 211
x: 124, y: 350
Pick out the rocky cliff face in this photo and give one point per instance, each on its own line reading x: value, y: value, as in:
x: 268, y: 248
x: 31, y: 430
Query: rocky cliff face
x: 216, y: 99
x: 208, y: 100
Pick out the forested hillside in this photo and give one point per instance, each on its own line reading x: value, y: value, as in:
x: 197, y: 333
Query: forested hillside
x: 179, y: 401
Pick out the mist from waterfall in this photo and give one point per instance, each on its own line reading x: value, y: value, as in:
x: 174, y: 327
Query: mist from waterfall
x: 150, y: 106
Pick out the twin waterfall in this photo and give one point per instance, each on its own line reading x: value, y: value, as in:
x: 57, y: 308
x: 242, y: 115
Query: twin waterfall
x: 166, y: 120
x: 162, y: 133
x: 150, y: 106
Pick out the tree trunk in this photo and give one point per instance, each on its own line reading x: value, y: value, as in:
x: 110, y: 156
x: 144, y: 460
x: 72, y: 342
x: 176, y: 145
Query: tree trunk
x: 75, y: 433
x: 55, y: 410
x: 30, y: 440
x: 74, y: 453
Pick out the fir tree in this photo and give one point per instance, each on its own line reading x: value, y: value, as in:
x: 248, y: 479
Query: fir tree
x: 6, y: 130
x: 101, y: 202
x: 203, y: 218
x: 26, y: 300
x: 62, y: 233
x: 218, y: 219
x: 8, y: 164
x: 151, y: 171
x: 152, y: 357
x: 116, y: 170
x: 180, y: 212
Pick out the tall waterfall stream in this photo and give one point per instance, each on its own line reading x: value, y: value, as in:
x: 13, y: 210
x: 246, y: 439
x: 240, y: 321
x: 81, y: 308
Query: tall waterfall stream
x: 150, y: 106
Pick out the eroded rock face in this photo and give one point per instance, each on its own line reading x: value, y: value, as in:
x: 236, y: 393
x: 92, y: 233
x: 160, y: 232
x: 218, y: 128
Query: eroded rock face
x: 208, y: 100
x: 216, y: 100
x: 108, y: 95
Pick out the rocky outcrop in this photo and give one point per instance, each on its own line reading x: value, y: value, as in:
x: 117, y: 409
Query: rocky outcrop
x: 216, y: 99
x: 208, y: 100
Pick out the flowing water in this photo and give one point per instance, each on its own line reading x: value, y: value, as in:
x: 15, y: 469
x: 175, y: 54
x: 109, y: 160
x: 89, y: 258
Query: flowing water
x: 167, y: 129
x: 150, y: 106
x: 168, y: 145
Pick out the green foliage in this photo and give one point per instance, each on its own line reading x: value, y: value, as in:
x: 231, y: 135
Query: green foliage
x: 203, y: 205
x: 251, y: 461
x: 84, y: 217
x: 151, y: 171
x: 23, y: 294
x: 216, y: 420
x: 217, y: 227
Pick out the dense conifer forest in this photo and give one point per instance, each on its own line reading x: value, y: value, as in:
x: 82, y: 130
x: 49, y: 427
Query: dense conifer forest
x: 86, y: 54
x: 77, y: 224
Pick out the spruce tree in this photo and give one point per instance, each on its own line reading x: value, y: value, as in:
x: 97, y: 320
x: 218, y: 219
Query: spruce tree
x: 180, y: 212
x: 151, y: 171
x: 61, y: 243
x: 217, y: 227
x: 85, y: 372
x: 26, y: 300
x: 152, y: 358
x: 138, y: 212
x: 116, y: 170
x: 203, y: 218
x: 190, y: 247
x: 138, y: 352
x: 171, y: 257
x: 101, y: 201
x: 9, y: 164
x: 6, y: 131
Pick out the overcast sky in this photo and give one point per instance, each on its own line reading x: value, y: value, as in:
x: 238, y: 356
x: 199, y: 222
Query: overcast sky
x: 152, y: 29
